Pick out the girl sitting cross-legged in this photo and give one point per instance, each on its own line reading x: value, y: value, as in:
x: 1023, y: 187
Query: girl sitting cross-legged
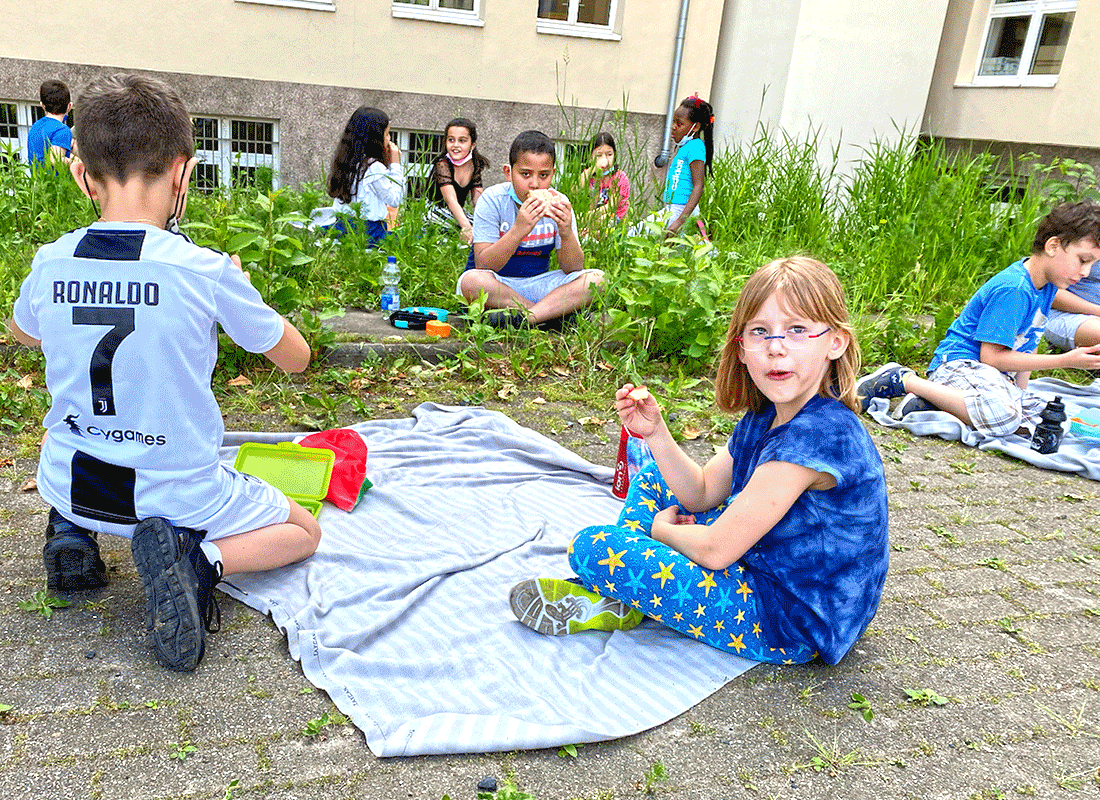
x: 776, y: 549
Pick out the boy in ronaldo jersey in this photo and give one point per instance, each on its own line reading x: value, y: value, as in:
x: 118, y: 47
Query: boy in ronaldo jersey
x: 126, y: 313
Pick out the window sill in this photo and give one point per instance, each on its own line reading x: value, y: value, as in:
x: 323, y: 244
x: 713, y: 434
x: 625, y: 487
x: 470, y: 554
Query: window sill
x: 400, y: 11
x: 312, y: 5
x: 1028, y: 82
x: 557, y: 28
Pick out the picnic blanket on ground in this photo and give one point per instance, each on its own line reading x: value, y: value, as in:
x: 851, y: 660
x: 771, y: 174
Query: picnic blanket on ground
x: 1080, y: 454
x: 402, y: 614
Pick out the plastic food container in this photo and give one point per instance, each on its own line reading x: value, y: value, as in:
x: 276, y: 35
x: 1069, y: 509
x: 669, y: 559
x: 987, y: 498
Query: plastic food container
x: 1087, y: 423
x: 301, y: 473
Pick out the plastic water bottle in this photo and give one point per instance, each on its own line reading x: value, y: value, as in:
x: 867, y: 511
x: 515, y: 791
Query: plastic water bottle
x: 391, y: 287
x: 1048, y: 433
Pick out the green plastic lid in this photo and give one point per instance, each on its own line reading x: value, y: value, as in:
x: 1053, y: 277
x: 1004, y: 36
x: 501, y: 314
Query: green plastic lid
x: 301, y: 473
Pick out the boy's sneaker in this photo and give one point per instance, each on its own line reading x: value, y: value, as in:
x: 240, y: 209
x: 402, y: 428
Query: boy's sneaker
x: 174, y: 614
x: 71, y: 557
x: 207, y: 576
x: 912, y: 404
x: 887, y: 381
x: 514, y: 318
x: 559, y: 607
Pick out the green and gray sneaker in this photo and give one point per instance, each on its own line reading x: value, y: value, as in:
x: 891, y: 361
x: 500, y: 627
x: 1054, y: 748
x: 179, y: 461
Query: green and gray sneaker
x: 558, y: 607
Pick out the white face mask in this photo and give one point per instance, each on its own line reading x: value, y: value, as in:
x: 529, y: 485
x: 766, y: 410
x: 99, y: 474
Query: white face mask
x: 688, y: 135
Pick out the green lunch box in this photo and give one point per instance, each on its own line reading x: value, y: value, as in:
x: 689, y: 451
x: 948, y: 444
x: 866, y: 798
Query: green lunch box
x: 301, y: 473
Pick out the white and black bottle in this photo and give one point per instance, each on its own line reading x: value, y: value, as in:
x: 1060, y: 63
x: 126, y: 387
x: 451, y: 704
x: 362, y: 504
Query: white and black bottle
x: 391, y: 287
x: 1048, y: 433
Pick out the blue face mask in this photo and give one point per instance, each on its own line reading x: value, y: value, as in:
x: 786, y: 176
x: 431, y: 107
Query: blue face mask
x: 512, y: 193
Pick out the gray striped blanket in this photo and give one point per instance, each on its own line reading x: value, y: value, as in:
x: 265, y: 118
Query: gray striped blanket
x: 402, y: 615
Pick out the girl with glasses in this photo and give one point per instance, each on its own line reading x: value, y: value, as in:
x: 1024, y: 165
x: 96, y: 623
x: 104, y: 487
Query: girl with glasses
x: 776, y: 549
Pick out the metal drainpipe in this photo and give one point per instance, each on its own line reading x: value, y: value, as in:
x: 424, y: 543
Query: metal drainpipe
x: 666, y: 144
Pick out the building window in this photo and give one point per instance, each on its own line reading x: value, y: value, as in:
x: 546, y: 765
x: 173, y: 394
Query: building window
x: 230, y: 151
x: 1024, y: 42
x: 16, y: 119
x: 418, y: 151
x: 460, y: 12
x: 591, y: 18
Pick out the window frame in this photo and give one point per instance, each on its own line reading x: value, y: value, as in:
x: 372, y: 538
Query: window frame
x: 1036, y: 10
x: 225, y: 160
x: 27, y: 112
x: 570, y: 26
x: 417, y: 172
x: 405, y: 9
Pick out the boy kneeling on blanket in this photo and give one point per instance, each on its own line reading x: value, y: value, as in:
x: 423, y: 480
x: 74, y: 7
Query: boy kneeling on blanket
x: 126, y: 312
x: 980, y: 370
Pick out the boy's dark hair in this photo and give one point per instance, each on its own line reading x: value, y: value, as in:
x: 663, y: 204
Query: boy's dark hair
x: 132, y: 124
x: 55, y: 96
x: 362, y: 142
x: 531, y: 142
x: 1070, y: 222
x: 468, y: 124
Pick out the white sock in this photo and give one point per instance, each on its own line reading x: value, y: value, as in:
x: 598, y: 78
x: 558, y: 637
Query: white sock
x: 212, y: 553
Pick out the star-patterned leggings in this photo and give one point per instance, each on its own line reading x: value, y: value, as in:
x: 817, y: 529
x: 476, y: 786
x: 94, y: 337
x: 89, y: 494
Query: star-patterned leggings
x: 623, y: 562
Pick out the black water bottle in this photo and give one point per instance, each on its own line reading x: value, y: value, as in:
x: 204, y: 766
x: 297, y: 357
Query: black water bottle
x: 1048, y: 433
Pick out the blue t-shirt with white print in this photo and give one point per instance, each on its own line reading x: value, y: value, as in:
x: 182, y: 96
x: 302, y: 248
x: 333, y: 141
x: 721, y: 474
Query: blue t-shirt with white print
x: 1008, y: 310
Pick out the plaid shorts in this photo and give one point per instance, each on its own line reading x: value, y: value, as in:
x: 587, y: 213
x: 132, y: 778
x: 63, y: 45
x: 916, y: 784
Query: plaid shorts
x: 996, y: 405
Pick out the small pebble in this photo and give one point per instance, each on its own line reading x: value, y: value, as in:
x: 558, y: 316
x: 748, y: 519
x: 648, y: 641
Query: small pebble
x: 90, y: 654
x: 487, y: 784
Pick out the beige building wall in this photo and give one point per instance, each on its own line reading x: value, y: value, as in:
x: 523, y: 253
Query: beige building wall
x: 853, y: 71
x: 310, y: 68
x: 1063, y: 119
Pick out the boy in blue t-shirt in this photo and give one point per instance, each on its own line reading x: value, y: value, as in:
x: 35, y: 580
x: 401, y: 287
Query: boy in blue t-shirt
x: 517, y: 225
x: 980, y: 370
x: 50, y: 139
x: 126, y: 312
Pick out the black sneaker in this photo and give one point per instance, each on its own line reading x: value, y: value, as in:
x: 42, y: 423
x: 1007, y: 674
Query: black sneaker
x: 173, y: 619
x: 911, y: 404
x: 507, y: 318
x: 557, y: 323
x: 207, y: 576
x: 887, y: 381
x: 71, y: 557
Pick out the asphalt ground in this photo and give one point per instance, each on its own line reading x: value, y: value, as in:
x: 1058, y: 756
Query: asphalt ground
x: 981, y: 670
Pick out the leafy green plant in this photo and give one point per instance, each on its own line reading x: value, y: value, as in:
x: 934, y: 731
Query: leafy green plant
x: 183, y: 751
x: 926, y: 697
x: 862, y: 705
x: 653, y: 777
x: 316, y: 726
x: 43, y: 603
x: 569, y: 750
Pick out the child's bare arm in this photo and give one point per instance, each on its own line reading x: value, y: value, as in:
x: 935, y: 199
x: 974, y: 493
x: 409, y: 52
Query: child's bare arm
x: 22, y: 337
x: 570, y: 254
x: 291, y: 354
x: 1072, y: 304
x: 697, y: 487
x: 1007, y: 360
x: 771, y: 491
x: 698, y: 177
x: 494, y: 255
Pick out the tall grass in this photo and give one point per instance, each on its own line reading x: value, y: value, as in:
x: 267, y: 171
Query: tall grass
x: 911, y: 229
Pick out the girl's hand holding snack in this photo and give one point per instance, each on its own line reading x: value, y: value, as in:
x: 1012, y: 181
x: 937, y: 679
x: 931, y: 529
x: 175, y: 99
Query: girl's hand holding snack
x: 638, y: 410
